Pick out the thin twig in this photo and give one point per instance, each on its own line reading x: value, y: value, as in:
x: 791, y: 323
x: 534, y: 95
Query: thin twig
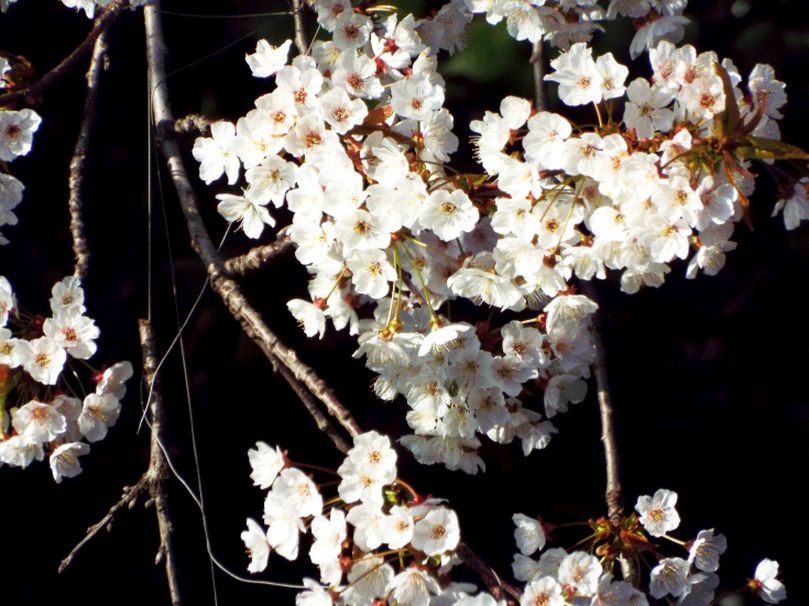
x: 250, y: 320
x: 614, y: 492
x: 257, y: 257
x: 33, y: 92
x: 79, y: 159
x: 494, y: 583
x: 128, y: 500
x: 158, y: 471
x: 301, y: 41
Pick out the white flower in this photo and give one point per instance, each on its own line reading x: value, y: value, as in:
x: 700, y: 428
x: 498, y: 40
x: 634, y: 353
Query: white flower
x: 7, y: 300
x: 258, y: 548
x: 578, y: 77
x: 669, y: 577
x: 314, y: 595
x: 270, y: 180
x: 267, y: 59
x: 266, y: 464
x: 437, y: 532
x: 612, y: 75
x: 284, y: 524
x: 528, y: 533
x: 97, y: 415
x: 645, y: 111
x: 67, y: 293
x: 329, y: 534
x: 397, y: 527
x: 412, y: 587
x: 38, y: 422
x: 17, y: 132
x: 449, y: 214
x: 545, y: 591
x: 43, y: 359
x: 706, y: 549
x: 9, y: 353
x: 16, y: 451
x: 368, y: 579
x: 309, y: 316
x: 351, y: 30
x: 581, y: 571
x: 298, y: 492
x: 771, y: 590
x: 657, y: 514
x: 64, y: 461
x: 73, y: 331
x: 216, y: 154
x: 371, y: 272
x: 250, y: 213
x: 416, y: 97
x: 340, y: 111
x: 443, y: 338
x: 113, y: 380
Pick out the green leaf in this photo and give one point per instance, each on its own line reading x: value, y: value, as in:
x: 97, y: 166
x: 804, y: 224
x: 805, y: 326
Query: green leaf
x: 759, y: 148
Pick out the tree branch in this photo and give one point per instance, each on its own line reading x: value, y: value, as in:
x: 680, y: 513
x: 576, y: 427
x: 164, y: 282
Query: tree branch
x: 257, y: 257
x: 158, y: 471
x: 251, y: 321
x: 33, y: 92
x: 128, y: 500
x: 613, y: 494
x: 494, y: 583
x: 538, y: 68
x: 301, y: 41
x: 79, y: 159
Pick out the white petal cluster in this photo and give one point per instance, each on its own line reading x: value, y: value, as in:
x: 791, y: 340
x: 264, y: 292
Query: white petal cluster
x: 559, y: 577
x: 565, y: 22
x: 48, y: 423
x: 373, y: 516
x: 17, y: 128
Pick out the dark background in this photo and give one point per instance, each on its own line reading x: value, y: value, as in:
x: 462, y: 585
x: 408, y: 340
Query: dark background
x: 707, y: 375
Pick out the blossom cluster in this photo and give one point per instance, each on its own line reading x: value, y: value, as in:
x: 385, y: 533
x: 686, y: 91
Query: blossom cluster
x: 354, y: 141
x: 377, y: 219
x: 376, y: 539
x: 17, y: 128
x: 565, y: 22
x: 40, y: 409
x: 559, y: 577
x: 634, y: 195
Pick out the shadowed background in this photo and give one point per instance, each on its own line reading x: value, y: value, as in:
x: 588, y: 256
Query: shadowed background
x: 707, y: 375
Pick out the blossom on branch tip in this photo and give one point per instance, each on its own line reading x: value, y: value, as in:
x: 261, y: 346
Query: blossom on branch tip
x: 268, y: 59
x: 657, y: 513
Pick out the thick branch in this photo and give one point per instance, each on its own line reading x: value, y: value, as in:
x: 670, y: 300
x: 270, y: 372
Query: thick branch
x: 322, y: 422
x: 301, y: 41
x: 493, y: 582
x: 251, y: 321
x: 33, y: 92
x: 257, y: 257
x: 79, y: 159
x: 158, y: 471
x: 128, y: 500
